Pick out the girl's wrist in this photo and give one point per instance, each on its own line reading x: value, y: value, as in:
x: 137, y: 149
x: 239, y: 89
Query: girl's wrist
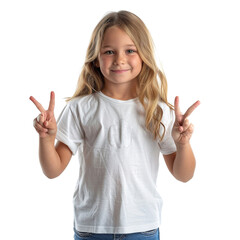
x: 182, y: 146
x: 48, y: 139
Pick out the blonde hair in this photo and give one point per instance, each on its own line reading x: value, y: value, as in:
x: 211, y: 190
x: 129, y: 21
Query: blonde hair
x: 152, y: 84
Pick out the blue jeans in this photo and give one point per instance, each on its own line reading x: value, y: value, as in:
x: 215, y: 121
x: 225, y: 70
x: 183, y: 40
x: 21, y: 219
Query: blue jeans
x: 149, y: 235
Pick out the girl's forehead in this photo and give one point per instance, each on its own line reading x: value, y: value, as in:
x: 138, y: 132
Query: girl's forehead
x: 116, y: 36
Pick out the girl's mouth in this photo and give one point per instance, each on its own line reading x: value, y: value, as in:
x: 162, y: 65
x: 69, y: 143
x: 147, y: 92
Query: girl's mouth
x: 120, y: 71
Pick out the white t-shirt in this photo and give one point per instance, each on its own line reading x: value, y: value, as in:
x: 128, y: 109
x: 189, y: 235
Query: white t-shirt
x: 116, y: 190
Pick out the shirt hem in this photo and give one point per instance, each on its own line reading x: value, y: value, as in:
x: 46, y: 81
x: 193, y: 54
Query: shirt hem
x: 117, y: 230
x: 168, y: 152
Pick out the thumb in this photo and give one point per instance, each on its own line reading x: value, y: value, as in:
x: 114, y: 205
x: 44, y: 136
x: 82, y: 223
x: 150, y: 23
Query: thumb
x: 180, y: 129
x: 177, y: 128
x: 50, y: 124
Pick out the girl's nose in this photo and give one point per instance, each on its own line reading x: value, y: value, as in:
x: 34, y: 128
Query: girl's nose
x: 119, y: 59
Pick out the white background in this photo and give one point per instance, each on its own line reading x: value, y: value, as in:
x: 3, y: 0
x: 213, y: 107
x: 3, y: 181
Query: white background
x: 43, y: 46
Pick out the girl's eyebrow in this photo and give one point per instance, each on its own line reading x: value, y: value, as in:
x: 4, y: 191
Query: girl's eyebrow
x: 109, y: 46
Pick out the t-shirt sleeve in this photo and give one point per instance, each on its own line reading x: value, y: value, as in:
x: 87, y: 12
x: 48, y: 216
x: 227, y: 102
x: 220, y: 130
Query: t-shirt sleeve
x: 167, y: 145
x: 69, y: 129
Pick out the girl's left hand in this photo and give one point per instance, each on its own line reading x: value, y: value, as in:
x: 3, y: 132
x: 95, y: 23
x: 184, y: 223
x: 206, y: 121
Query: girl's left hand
x: 182, y: 128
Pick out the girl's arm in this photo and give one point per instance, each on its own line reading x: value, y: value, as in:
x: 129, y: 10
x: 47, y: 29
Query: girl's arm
x: 182, y: 163
x: 53, y: 159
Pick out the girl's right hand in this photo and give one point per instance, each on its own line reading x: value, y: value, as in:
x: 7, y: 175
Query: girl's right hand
x: 45, y: 123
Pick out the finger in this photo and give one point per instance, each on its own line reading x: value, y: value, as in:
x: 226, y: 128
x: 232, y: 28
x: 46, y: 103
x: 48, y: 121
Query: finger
x: 189, y: 131
x: 177, y: 111
x: 191, y: 128
x: 50, y: 125
x: 41, y: 118
x: 180, y: 129
x: 52, y: 102
x: 39, y: 128
x: 191, y: 109
x: 185, y: 125
x: 37, y: 104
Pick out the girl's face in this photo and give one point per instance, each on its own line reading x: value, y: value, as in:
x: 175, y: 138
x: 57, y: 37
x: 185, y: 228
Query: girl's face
x: 118, y: 59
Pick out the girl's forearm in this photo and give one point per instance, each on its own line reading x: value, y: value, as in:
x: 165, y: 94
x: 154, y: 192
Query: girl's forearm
x: 49, y: 158
x: 184, y: 163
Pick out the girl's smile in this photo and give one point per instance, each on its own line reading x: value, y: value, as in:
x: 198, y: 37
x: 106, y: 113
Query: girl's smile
x: 120, y: 71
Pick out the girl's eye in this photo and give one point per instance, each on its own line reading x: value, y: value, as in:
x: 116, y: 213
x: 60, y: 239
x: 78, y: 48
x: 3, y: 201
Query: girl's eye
x: 109, y: 52
x: 130, y: 51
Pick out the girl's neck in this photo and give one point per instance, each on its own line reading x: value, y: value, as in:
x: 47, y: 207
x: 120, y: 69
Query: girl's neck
x: 120, y: 92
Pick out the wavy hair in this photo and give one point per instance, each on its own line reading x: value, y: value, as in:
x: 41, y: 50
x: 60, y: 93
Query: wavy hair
x: 152, y: 83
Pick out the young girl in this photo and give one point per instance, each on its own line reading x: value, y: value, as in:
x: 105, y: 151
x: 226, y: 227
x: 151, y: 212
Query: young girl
x: 118, y: 121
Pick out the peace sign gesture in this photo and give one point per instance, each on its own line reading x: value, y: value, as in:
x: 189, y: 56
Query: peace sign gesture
x: 182, y: 129
x: 45, y: 124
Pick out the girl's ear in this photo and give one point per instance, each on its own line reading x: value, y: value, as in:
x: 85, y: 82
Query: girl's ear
x: 96, y: 63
